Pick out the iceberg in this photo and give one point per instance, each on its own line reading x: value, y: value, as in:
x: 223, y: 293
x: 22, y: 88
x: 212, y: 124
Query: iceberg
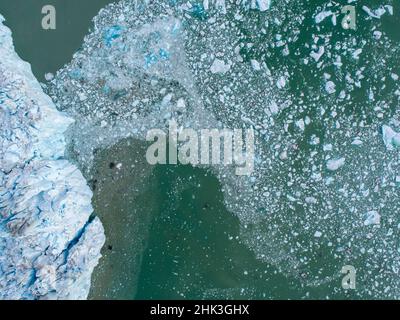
x: 390, y: 137
x: 335, y: 164
x: 372, y: 217
x: 50, y: 240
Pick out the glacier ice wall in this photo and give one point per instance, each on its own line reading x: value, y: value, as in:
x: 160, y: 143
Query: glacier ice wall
x: 49, y: 240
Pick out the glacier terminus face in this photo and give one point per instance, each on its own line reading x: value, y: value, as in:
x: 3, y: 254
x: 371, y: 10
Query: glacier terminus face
x: 49, y: 242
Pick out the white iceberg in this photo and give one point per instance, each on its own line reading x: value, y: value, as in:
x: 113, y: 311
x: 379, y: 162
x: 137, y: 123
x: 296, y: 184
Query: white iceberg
x: 335, y: 164
x: 372, y: 217
x: 391, y: 138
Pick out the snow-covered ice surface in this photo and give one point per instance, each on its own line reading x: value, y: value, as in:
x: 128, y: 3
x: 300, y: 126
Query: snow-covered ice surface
x: 308, y: 209
x: 49, y: 241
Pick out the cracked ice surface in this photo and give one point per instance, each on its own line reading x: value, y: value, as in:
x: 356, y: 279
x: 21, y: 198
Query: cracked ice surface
x: 49, y: 244
x: 304, y: 208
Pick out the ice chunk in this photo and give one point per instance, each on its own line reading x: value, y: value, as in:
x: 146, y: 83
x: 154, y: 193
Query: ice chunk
x: 255, y: 64
x: 219, y: 66
x: 263, y: 5
x: 281, y: 83
x: 390, y: 137
x: 317, y: 234
x: 374, y: 13
x: 335, y: 164
x: 322, y: 15
x: 317, y: 55
x: 330, y: 87
x: 372, y: 217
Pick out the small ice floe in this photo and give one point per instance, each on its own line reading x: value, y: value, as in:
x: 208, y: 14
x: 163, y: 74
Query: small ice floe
x: 180, y: 104
x: 330, y: 87
x: 49, y: 76
x: 220, y: 66
x: 317, y: 55
x: 374, y: 13
x: 372, y: 217
x: 283, y: 155
x: 263, y: 5
x: 300, y: 124
x: 335, y: 164
x: 377, y: 35
x: 272, y: 108
x: 317, y: 234
x: 322, y: 15
x: 357, y: 142
x: 310, y: 200
x: 389, y: 9
x: 256, y: 65
x: 356, y: 53
x: 281, y: 83
x: 391, y: 138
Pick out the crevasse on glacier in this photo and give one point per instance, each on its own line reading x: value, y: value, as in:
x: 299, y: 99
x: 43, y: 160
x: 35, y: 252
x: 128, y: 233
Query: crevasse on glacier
x: 49, y: 242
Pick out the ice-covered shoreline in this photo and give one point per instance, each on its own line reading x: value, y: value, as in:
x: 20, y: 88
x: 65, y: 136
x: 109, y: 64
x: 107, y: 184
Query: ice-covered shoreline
x: 49, y: 240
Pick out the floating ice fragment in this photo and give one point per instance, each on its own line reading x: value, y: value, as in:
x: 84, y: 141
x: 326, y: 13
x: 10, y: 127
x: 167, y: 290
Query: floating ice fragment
x: 357, y: 142
x: 273, y: 108
x: 377, y: 35
x: 330, y: 87
x: 389, y: 9
x: 256, y: 65
x: 181, y: 103
x: 335, y: 164
x: 311, y: 200
x: 317, y: 234
x: 372, y: 217
x: 356, y: 53
x: 263, y: 5
x: 283, y: 155
x: 376, y: 13
x: 220, y: 66
x: 322, y: 15
x: 390, y: 137
x: 317, y: 55
x: 49, y: 76
x: 281, y: 83
x: 300, y: 124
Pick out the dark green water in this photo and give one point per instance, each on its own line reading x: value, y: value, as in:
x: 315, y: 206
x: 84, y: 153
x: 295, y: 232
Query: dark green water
x: 192, y: 248
x: 169, y: 236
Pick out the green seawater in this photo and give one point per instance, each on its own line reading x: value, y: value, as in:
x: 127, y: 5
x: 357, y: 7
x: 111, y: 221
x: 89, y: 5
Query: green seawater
x: 168, y: 232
